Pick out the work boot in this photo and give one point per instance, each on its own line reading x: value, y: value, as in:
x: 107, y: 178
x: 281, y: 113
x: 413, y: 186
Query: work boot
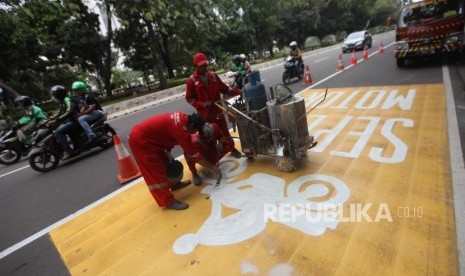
x: 197, y: 179
x: 235, y: 153
x: 180, y: 185
x: 177, y: 205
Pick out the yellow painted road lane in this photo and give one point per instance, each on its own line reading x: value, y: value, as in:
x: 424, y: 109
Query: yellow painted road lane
x: 382, y: 165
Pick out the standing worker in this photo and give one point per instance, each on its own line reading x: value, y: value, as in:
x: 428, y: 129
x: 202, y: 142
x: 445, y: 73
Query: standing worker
x: 152, y: 140
x: 203, y: 89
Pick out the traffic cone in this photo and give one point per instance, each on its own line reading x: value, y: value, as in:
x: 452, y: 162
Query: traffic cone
x: 308, y: 78
x: 353, y: 60
x: 365, y: 54
x: 127, y: 168
x: 340, y: 66
x: 381, y: 48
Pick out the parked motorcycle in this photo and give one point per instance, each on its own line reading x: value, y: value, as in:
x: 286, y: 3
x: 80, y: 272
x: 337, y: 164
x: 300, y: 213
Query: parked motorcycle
x: 291, y: 70
x: 11, y: 148
x: 46, y: 152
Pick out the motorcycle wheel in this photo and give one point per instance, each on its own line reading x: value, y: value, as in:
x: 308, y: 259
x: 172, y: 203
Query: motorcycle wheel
x: 108, y: 133
x: 287, y: 77
x: 301, y: 74
x: 43, y: 161
x: 9, y: 155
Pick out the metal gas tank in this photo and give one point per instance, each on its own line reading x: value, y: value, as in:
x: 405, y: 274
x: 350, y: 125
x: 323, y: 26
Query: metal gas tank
x: 254, y: 92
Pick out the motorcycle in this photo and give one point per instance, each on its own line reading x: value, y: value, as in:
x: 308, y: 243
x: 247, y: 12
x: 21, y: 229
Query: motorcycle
x: 11, y: 148
x: 291, y: 70
x: 46, y: 153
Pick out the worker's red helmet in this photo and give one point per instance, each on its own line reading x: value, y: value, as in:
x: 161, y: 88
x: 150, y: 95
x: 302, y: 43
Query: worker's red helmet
x: 200, y: 59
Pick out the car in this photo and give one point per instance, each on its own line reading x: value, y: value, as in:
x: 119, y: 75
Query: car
x: 357, y: 41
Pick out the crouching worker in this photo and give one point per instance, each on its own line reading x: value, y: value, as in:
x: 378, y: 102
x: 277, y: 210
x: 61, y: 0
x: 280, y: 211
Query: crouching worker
x: 212, y: 144
x: 150, y: 142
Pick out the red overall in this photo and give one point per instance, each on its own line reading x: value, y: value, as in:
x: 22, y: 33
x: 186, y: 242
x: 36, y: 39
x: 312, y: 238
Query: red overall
x: 198, y: 95
x: 149, y: 141
x: 209, y: 150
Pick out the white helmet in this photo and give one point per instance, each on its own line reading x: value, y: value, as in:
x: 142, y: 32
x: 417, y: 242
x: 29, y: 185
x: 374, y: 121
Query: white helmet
x: 293, y: 43
x: 242, y: 56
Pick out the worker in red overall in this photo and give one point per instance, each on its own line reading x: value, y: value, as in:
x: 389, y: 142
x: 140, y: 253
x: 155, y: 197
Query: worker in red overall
x: 212, y: 144
x: 151, y: 142
x: 203, y: 89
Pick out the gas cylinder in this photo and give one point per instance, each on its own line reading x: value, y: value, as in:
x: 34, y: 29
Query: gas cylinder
x: 254, y: 92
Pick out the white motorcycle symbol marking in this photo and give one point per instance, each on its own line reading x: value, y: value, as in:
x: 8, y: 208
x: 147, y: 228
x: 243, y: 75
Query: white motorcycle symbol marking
x: 249, y: 196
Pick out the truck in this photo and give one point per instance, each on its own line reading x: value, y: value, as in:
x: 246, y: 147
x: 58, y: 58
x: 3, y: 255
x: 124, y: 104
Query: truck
x: 429, y: 28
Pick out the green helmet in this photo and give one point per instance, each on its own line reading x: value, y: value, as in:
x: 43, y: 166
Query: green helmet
x: 78, y: 85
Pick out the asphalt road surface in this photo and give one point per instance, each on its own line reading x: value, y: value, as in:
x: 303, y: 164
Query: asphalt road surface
x: 31, y: 202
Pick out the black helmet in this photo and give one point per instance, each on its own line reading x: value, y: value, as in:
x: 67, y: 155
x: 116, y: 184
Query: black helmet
x: 24, y: 100
x: 58, y: 92
x: 174, y: 171
x: 196, y: 121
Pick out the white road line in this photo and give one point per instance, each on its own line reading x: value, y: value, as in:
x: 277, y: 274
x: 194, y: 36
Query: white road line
x: 321, y: 59
x: 57, y: 224
x: 22, y: 168
x: 457, y: 169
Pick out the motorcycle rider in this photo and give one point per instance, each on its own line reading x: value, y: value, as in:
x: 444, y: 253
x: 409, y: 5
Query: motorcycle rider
x: 296, y: 53
x: 66, y: 118
x: 212, y: 144
x: 247, y: 66
x: 32, y: 117
x: 90, y: 109
x: 239, y: 70
x: 203, y: 89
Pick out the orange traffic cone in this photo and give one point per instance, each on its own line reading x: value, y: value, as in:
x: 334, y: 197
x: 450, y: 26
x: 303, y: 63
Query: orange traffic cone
x: 353, y: 60
x: 127, y: 168
x: 340, y: 66
x: 308, y: 78
x: 365, y: 54
x: 381, y: 48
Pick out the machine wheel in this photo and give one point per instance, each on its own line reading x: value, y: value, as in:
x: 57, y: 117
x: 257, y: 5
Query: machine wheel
x: 43, y: 161
x: 287, y: 77
x: 301, y: 74
x: 9, y: 155
x: 108, y: 134
x: 400, y: 62
x: 285, y: 164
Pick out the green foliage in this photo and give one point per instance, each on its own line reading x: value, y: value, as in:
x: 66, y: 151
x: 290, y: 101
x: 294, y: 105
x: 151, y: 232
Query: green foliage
x: 340, y: 36
x: 312, y: 42
x: 328, y: 40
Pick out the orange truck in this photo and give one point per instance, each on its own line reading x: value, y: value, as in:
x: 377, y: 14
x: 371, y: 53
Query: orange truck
x: 432, y: 27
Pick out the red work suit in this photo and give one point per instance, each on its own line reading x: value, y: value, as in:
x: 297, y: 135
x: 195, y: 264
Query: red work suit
x: 197, y: 94
x: 149, y: 141
x: 212, y: 151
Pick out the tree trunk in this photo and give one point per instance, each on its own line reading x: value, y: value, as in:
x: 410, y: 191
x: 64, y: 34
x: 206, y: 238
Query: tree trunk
x: 156, y: 52
x: 108, y: 59
x: 166, y: 55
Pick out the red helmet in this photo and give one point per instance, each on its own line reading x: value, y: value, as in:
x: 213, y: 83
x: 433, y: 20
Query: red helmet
x: 200, y: 59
